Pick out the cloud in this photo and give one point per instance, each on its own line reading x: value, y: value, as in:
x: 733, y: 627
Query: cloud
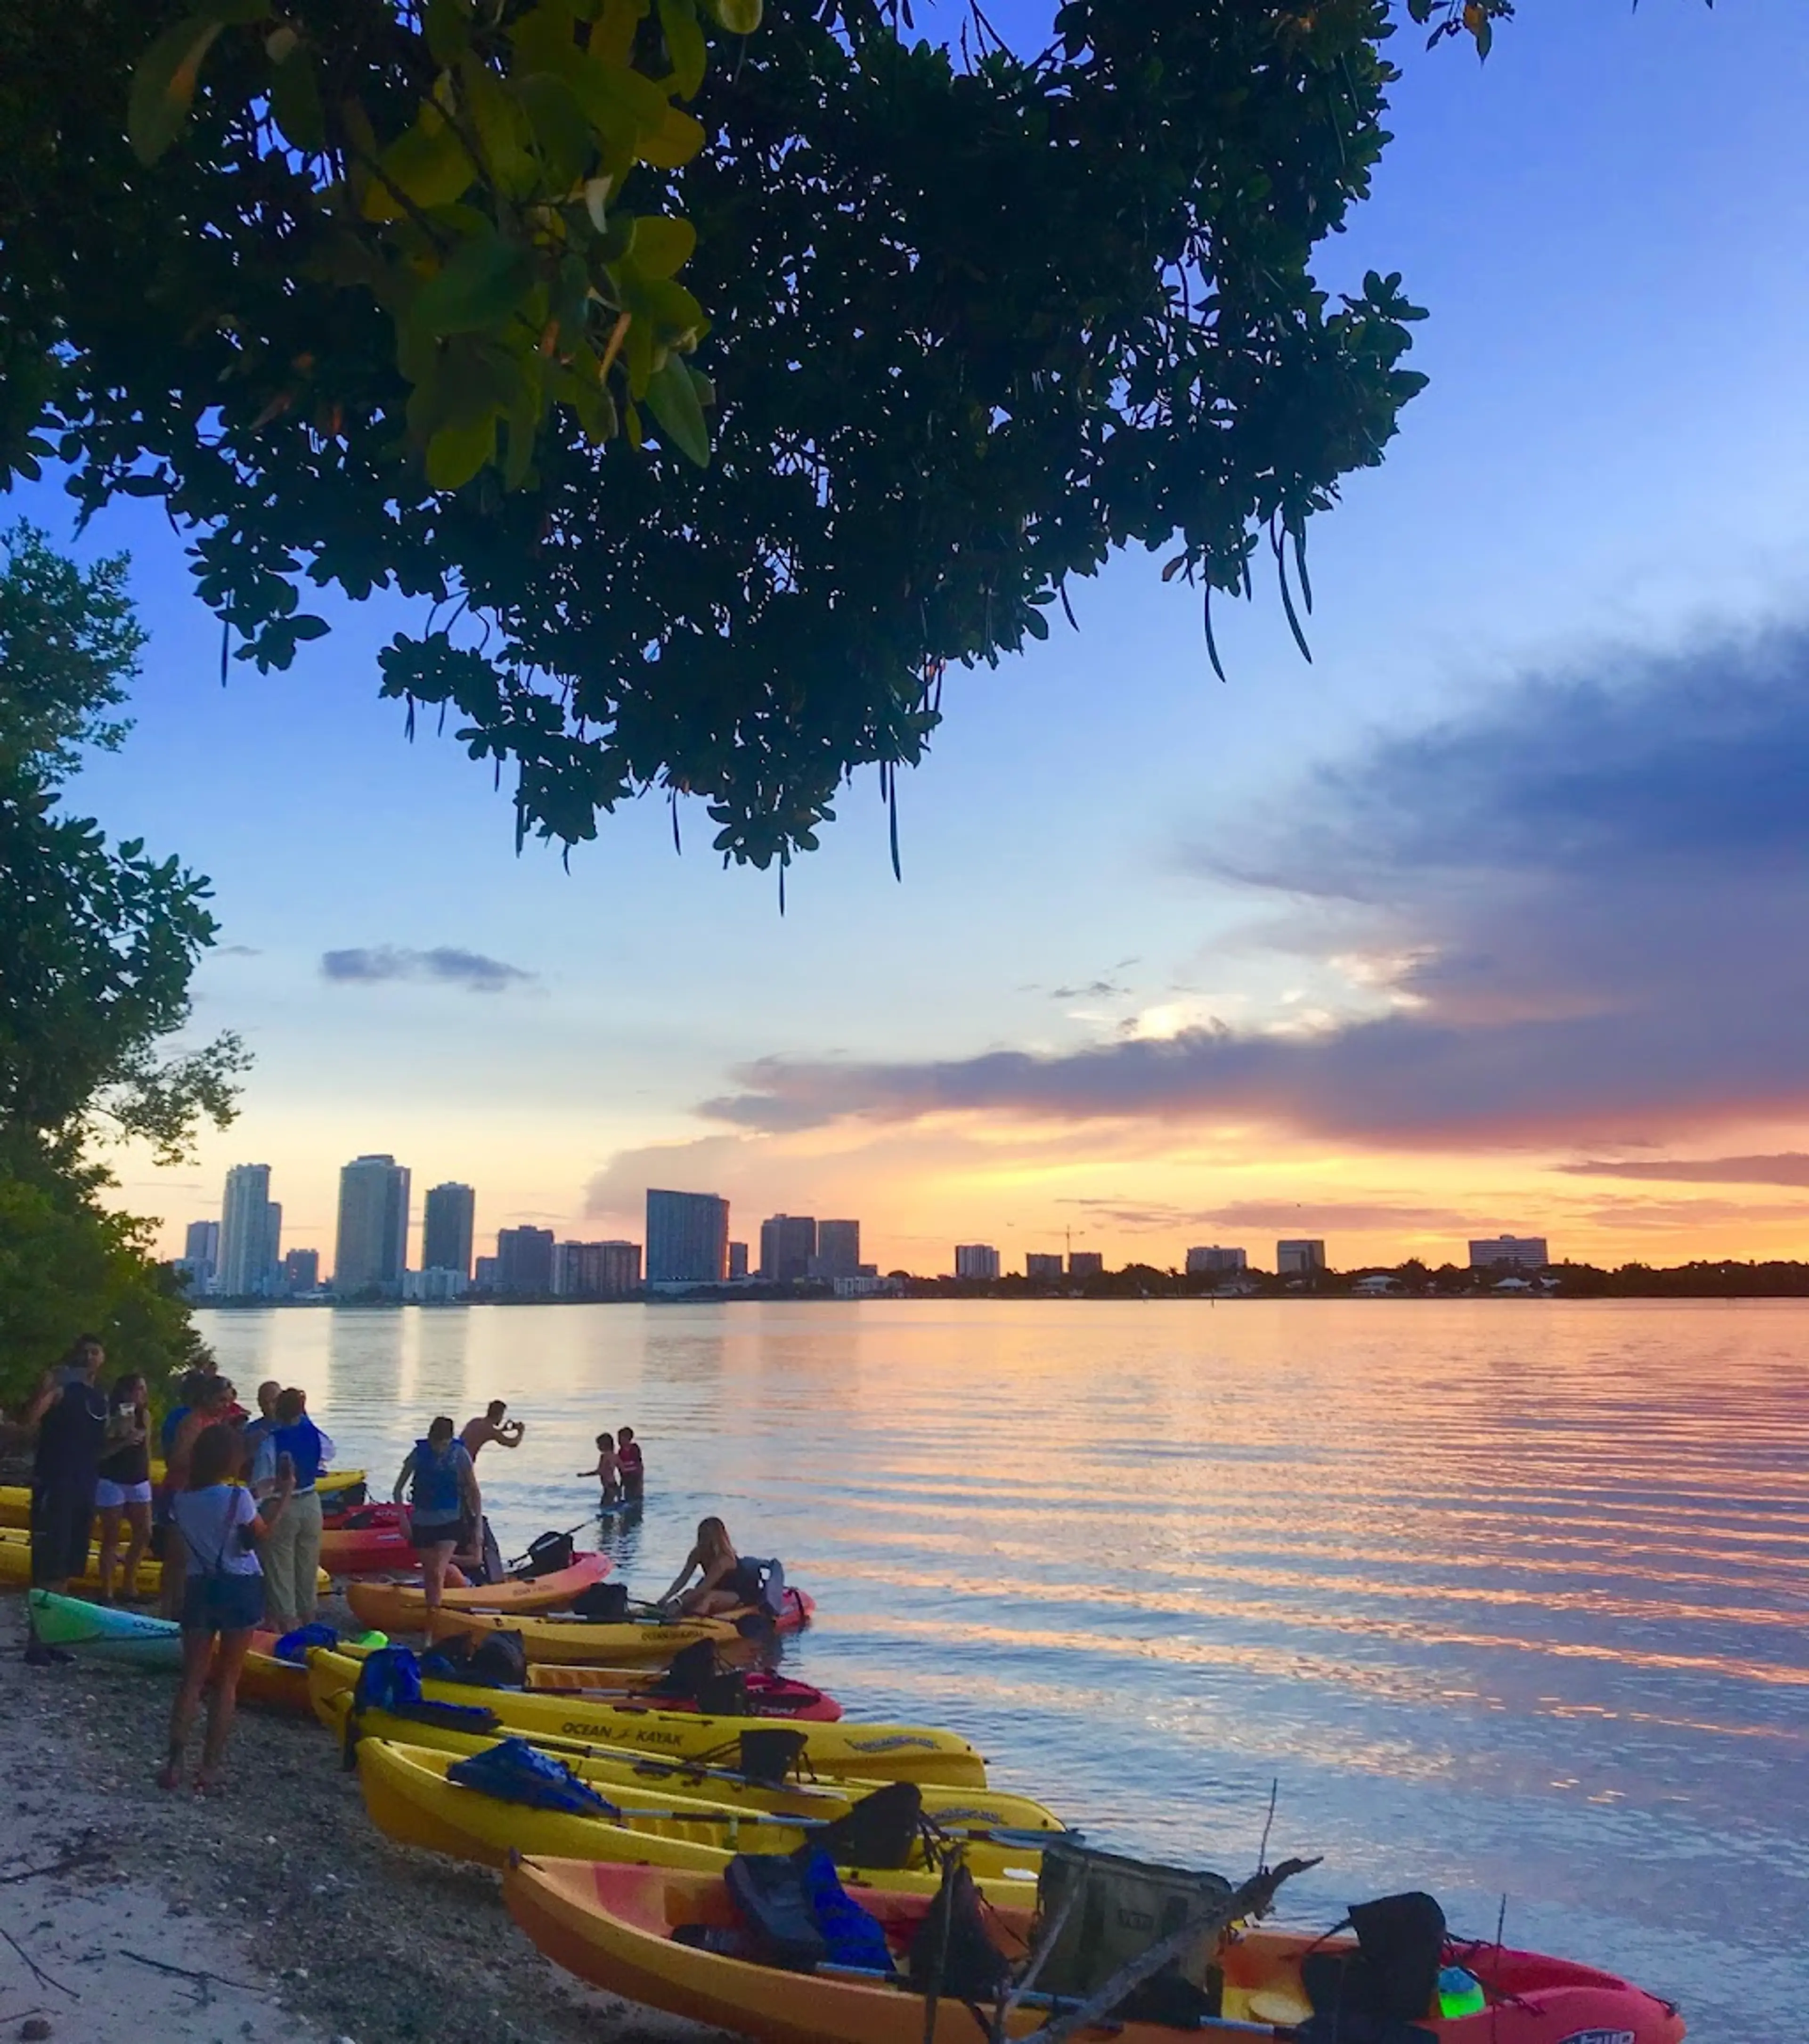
x: 1582, y: 908
x: 1095, y: 990
x: 1283, y: 1216
x: 446, y: 962
x: 1789, y: 1167
x: 236, y: 951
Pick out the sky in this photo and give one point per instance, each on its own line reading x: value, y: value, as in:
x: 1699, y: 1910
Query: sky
x: 1492, y: 917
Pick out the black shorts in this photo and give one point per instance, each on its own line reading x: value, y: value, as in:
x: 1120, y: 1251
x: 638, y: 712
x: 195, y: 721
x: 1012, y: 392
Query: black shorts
x: 222, y: 1603
x: 424, y: 1539
x: 62, y: 1518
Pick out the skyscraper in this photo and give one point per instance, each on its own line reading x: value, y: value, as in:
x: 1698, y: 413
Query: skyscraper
x: 372, y: 1249
x: 244, y: 1271
x: 596, y: 1269
x: 448, y: 1216
x: 273, y: 1246
x: 687, y: 1238
x: 978, y: 1260
x: 200, y: 1257
x: 737, y: 1262
x: 1213, y: 1261
x: 837, y: 1249
x: 525, y: 1261
x: 787, y: 1248
x: 301, y: 1270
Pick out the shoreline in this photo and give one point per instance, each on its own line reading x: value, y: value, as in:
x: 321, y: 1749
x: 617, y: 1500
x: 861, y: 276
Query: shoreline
x: 287, y: 1917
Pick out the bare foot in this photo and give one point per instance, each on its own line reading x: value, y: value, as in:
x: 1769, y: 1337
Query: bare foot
x: 209, y: 1785
x: 169, y: 1775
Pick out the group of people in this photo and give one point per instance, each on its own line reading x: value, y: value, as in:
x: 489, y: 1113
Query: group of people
x: 235, y: 1520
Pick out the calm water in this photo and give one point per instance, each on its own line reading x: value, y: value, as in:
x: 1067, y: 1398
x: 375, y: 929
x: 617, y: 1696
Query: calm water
x: 1509, y: 1597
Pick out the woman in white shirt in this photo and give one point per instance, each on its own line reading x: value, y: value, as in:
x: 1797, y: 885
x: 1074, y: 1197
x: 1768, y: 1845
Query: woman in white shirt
x: 220, y: 1529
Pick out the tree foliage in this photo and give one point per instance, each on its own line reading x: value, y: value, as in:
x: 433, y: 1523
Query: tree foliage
x: 98, y: 942
x: 976, y: 320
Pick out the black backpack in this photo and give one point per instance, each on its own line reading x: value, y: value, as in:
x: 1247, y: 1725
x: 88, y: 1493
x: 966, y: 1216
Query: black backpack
x: 952, y: 1951
x: 692, y: 1667
x: 550, y: 1553
x: 603, y: 1603
x: 774, y: 1906
x: 498, y: 1660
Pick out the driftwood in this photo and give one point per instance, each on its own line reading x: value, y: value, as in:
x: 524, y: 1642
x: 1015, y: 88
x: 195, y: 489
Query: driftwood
x: 202, y: 1980
x: 1255, y: 1898
x: 37, y: 1972
x: 82, y: 1851
x: 1045, y: 1944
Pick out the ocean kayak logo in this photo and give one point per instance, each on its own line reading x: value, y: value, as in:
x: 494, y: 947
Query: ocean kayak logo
x: 898, y: 1742
x: 1599, y: 2037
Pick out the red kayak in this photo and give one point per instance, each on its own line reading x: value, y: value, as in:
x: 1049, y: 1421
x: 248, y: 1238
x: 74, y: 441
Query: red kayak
x: 373, y: 1540
x: 769, y: 1694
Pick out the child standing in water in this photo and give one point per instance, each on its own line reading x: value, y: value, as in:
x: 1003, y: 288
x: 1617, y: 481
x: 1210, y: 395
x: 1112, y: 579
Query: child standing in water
x: 628, y: 1461
x: 609, y: 1469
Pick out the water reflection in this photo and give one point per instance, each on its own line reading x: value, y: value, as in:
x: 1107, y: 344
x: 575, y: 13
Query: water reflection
x: 1509, y: 1600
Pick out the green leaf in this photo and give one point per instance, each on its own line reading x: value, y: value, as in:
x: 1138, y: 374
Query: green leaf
x: 295, y: 100
x: 672, y: 398
x: 163, y: 85
x: 684, y: 44
x: 481, y: 284
x: 661, y: 245
x: 456, y: 453
x: 740, y: 18
x: 673, y: 143
x: 429, y: 164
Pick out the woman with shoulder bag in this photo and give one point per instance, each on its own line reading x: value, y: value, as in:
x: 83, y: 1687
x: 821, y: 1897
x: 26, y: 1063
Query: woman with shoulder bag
x: 219, y: 1529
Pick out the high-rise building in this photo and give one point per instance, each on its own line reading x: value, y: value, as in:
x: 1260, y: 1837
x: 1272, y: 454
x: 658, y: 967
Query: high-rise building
x: 483, y: 1274
x: 1086, y: 1263
x: 1301, y: 1258
x: 596, y: 1269
x: 787, y: 1248
x: 446, y: 1218
x: 1213, y: 1262
x: 1519, y: 1252
x: 273, y: 1246
x: 245, y: 1268
x: 371, y: 1250
x: 977, y: 1260
x: 737, y: 1262
x: 524, y: 1262
x: 301, y: 1270
x: 1044, y: 1269
x: 200, y: 1260
x: 837, y: 1249
x: 687, y: 1238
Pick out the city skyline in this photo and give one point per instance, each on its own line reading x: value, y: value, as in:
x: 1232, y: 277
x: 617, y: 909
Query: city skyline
x: 1479, y: 923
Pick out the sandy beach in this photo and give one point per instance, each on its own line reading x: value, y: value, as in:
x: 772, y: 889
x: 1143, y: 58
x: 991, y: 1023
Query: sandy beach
x: 273, y: 1911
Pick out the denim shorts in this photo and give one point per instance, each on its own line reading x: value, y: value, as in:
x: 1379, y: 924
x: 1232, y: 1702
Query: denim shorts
x: 222, y: 1603
x: 111, y: 1496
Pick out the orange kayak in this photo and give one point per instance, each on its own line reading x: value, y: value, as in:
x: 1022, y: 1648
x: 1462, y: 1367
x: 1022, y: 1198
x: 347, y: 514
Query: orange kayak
x: 402, y: 1607
x: 613, y: 1924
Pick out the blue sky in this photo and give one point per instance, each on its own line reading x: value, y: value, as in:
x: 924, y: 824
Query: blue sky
x: 1587, y: 544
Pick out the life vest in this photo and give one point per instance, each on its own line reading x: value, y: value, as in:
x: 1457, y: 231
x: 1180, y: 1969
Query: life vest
x: 435, y: 1488
x: 302, y: 1443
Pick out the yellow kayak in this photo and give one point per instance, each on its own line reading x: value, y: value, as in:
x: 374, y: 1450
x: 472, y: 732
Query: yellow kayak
x: 872, y: 1752
x: 402, y: 1607
x: 584, y: 1642
x: 957, y: 1810
x: 15, y: 1567
x: 409, y: 1799
x: 15, y: 1498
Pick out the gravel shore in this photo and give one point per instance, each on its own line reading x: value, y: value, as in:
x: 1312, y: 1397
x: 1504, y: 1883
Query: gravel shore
x: 288, y: 1917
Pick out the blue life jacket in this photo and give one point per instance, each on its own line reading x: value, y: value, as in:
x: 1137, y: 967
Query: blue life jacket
x: 435, y: 1488
x: 302, y: 1443
x: 514, y: 1771
x: 854, y: 1937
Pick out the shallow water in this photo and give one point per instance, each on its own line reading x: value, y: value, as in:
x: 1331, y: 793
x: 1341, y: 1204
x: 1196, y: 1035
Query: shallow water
x: 1509, y: 1597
